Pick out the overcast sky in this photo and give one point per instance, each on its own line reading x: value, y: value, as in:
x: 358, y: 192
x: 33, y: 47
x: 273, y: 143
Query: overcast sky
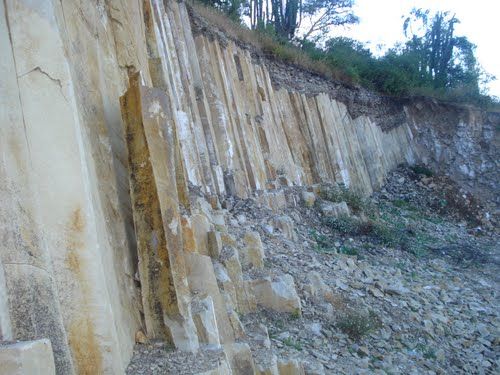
x: 381, y: 23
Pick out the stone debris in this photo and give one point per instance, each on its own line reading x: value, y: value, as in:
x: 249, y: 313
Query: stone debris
x: 158, y: 358
x: 417, y: 311
x: 285, y: 225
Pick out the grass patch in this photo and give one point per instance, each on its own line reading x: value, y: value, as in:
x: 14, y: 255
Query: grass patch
x: 348, y: 250
x: 405, y: 205
x: 323, y: 243
x: 295, y: 314
x: 387, y: 230
x: 398, y: 224
x: 427, y: 352
x: 293, y: 344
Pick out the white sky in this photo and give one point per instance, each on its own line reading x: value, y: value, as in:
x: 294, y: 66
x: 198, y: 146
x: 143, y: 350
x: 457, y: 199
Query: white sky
x: 381, y: 23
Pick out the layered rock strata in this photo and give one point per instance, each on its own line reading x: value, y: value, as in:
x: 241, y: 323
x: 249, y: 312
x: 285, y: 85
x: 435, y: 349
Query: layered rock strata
x: 101, y: 236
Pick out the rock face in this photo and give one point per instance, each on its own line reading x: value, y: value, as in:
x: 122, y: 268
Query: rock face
x: 100, y: 238
x: 27, y: 358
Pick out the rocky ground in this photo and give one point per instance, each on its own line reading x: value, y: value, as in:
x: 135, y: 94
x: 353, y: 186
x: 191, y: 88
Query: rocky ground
x: 403, y: 283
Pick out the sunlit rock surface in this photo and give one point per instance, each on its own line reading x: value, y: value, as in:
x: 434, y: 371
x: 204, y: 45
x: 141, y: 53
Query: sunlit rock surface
x: 99, y: 236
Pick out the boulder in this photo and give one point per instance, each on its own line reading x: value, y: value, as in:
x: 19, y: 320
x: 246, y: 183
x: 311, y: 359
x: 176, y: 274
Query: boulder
x: 205, y: 321
x: 278, y: 295
x: 331, y: 209
x: 291, y: 367
x: 27, y: 358
x: 214, y: 244
x: 316, y: 287
x: 239, y: 358
x: 313, y: 368
x: 252, y: 254
x: 285, y: 225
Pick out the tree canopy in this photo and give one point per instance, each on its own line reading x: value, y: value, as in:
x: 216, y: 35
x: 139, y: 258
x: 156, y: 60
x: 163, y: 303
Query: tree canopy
x: 287, y: 16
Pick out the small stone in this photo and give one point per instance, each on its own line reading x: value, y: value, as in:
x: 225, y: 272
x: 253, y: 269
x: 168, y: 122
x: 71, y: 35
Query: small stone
x: 315, y: 328
x: 395, y: 288
x: 440, y: 355
x: 268, y: 229
x: 375, y: 292
x: 363, y: 351
x: 140, y: 338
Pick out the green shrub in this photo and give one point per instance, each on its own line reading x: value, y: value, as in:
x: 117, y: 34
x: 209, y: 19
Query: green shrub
x: 295, y: 314
x: 421, y: 169
x: 348, y: 250
x: 341, y: 193
x: 356, y: 324
x: 344, y: 224
x: 386, y: 233
x: 294, y: 344
x: 400, y: 203
x: 323, y: 244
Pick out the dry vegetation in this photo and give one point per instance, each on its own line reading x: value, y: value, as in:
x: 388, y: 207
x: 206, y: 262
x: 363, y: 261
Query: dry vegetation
x: 266, y: 44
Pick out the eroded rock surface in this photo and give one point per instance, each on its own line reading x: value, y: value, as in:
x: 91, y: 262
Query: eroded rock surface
x: 173, y: 216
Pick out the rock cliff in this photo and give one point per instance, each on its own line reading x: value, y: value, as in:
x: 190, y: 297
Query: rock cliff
x: 122, y: 134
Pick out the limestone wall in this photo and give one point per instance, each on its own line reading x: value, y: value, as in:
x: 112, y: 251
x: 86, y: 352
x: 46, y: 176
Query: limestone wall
x: 67, y: 238
x: 99, y: 237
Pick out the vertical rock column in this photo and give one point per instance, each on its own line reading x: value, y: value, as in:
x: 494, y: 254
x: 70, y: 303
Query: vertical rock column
x: 151, y: 146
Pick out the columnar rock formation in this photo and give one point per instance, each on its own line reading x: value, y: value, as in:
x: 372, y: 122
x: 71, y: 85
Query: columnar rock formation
x: 87, y: 259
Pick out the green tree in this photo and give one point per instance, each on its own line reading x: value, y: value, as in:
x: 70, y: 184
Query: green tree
x: 443, y: 59
x: 351, y: 56
x: 232, y: 8
x: 286, y: 16
x: 321, y: 15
